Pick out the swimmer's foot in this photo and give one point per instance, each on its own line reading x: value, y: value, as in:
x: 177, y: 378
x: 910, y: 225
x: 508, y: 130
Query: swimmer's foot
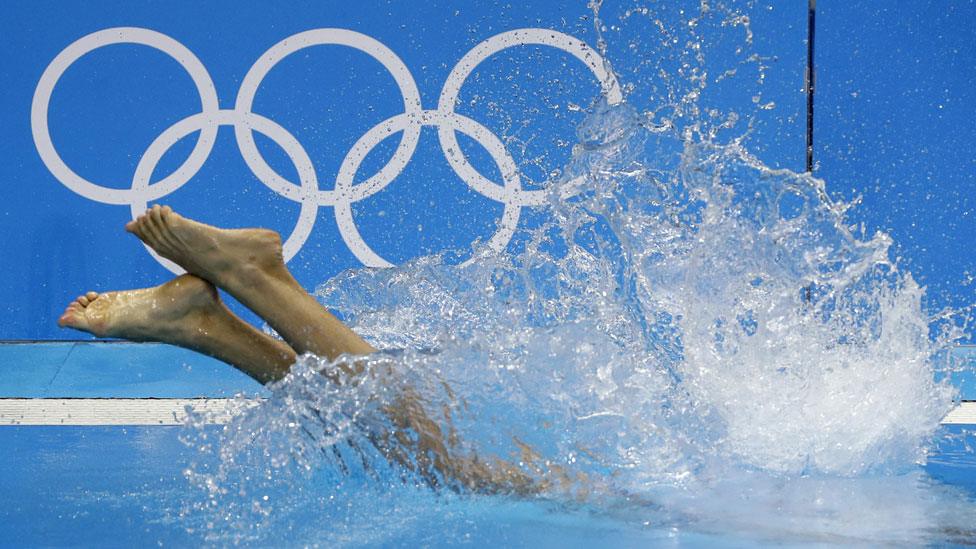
x: 177, y: 312
x: 226, y: 257
x: 248, y: 265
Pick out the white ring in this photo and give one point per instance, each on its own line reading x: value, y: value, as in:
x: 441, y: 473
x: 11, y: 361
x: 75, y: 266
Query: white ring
x: 489, y: 47
x: 346, y: 190
x: 93, y: 41
x: 317, y: 37
x: 410, y: 122
x: 288, y: 143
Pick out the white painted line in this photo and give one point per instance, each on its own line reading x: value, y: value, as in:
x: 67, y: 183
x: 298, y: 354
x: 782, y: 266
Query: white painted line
x: 964, y: 414
x: 173, y: 411
x: 115, y: 411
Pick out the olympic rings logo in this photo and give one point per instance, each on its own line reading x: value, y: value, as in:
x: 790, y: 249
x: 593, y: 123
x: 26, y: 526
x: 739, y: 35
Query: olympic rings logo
x: 306, y: 192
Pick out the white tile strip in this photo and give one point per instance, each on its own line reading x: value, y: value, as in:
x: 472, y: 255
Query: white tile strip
x: 115, y: 411
x: 173, y: 411
x: 964, y: 414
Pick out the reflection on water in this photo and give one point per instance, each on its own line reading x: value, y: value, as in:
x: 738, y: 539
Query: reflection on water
x: 689, y: 342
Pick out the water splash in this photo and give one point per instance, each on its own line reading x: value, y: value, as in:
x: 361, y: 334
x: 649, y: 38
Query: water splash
x: 686, y: 323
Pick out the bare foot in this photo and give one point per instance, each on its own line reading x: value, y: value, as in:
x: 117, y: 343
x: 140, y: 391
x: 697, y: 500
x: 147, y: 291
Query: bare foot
x: 223, y: 256
x: 175, y: 312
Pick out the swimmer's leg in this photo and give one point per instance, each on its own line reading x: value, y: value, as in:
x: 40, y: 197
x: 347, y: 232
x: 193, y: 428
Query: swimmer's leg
x: 186, y: 312
x: 248, y: 264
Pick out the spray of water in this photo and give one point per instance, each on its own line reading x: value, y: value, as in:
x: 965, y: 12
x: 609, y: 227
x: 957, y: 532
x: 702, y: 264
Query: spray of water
x: 685, y: 321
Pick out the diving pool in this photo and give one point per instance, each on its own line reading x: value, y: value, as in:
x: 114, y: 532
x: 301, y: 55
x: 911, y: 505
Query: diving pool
x: 620, y: 267
x: 125, y: 486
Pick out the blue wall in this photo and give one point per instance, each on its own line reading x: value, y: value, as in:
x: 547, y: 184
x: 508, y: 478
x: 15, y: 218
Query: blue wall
x: 895, y: 105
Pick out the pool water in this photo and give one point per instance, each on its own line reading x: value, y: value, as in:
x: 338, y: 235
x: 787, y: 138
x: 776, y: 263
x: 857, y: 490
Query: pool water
x: 702, y: 343
x: 128, y: 485
x: 124, y: 487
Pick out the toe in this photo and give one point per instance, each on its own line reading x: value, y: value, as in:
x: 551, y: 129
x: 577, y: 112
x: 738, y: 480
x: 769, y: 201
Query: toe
x: 82, y: 300
x: 156, y: 216
x: 91, y: 296
x: 166, y: 217
x: 162, y: 220
x: 70, y: 318
x: 136, y: 226
x: 144, y: 233
x: 170, y: 217
x: 144, y: 229
x: 166, y: 214
x: 152, y: 230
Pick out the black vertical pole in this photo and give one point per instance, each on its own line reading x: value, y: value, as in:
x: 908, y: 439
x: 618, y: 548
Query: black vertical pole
x: 811, y: 79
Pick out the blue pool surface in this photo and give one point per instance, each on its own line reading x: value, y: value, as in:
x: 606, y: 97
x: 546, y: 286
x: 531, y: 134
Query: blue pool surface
x: 76, y: 369
x: 642, y: 331
x: 114, y: 487
x: 124, y: 486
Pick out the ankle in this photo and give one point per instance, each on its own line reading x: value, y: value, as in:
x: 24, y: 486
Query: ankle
x: 194, y: 330
x: 255, y: 277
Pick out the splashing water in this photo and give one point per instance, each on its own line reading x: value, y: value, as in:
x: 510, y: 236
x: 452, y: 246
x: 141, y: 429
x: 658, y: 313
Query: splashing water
x: 688, y: 327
